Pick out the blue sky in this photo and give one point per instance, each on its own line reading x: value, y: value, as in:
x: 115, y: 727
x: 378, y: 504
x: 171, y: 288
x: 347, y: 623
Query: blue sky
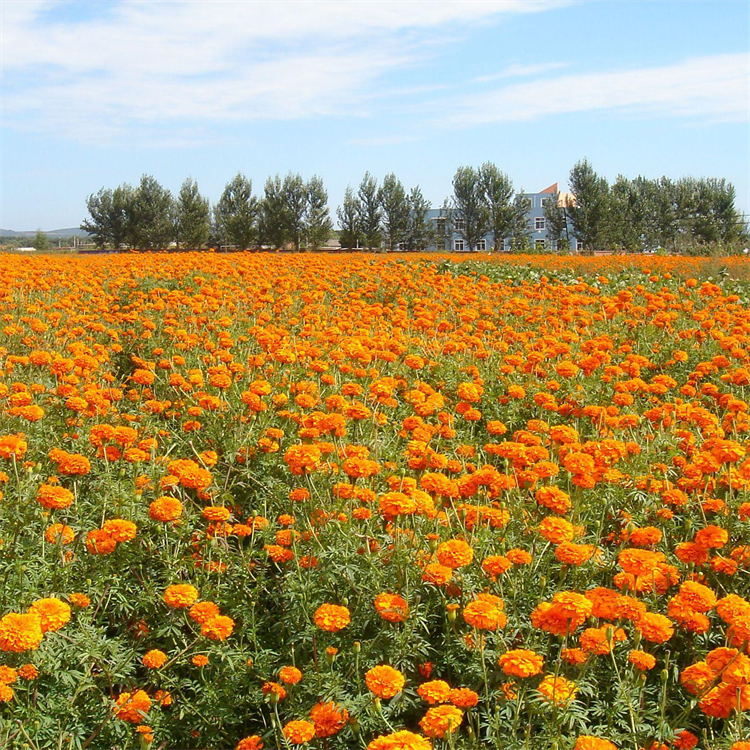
x: 98, y: 93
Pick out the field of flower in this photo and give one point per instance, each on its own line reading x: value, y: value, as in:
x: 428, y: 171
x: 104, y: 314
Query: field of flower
x: 372, y: 502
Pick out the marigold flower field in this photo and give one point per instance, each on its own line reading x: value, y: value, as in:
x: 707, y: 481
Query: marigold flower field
x: 373, y: 502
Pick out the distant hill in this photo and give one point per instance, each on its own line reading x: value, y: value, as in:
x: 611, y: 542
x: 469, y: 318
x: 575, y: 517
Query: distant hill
x: 53, y: 234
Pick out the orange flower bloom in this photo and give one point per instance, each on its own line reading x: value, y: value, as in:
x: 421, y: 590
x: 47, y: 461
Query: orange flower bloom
x: 299, y: 732
x: 384, y: 681
x: 180, y: 595
x: 521, y: 662
x: 332, y: 617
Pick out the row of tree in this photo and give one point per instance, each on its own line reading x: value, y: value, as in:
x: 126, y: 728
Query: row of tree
x: 148, y: 216
x: 484, y: 203
x: 633, y: 214
x: 629, y: 215
x: 385, y: 216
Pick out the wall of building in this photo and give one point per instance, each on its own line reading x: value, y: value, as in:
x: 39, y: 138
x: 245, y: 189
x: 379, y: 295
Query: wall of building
x: 537, y: 226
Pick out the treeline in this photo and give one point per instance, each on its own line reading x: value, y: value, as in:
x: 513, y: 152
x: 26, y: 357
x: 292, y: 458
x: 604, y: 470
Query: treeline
x: 632, y: 214
x: 148, y: 216
x: 485, y: 203
x: 290, y: 212
x: 684, y: 215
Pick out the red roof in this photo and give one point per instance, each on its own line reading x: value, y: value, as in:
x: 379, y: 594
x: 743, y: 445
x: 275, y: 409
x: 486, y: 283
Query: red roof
x: 551, y: 189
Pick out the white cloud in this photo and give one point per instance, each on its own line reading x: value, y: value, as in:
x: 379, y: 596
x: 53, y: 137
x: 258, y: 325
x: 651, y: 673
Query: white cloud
x: 93, y: 70
x: 386, y: 140
x: 715, y: 87
x: 520, y: 71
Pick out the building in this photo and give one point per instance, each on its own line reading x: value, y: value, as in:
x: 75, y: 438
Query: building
x: 538, y: 235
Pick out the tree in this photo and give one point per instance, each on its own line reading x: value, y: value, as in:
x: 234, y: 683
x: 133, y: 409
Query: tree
x: 348, y: 213
x: 274, y: 221
x: 152, y: 214
x: 371, y: 213
x: 472, y: 217
x: 556, y: 219
x: 41, y: 243
x: 419, y: 233
x: 236, y: 213
x: 317, y: 222
x: 395, y: 206
x: 295, y: 205
x: 521, y: 231
x: 192, y: 216
x: 589, y: 211
x: 111, y: 217
x: 627, y: 219
x: 99, y: 206
x: 497, y: 190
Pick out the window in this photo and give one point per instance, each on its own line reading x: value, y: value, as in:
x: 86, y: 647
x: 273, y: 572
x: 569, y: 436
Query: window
x: 539, y: 223
x: 540, y: 244
x: 441, y: 226
x: 482, y: 246
x: 460, y: 225
x: 458, y: 246
x: 545, y: 201
x: 579, y: 246
x: 402, y: 247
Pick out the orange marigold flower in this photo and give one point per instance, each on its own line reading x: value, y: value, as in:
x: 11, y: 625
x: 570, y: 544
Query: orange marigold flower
x: 329, y: 718
x: 20, y: 632
x: 455, y: 553
x: 332, y: 617
x: 441, y: 720
x: 59, y: 533
x: 485, y: 613
x: 403, y: 740
x: 8, y: 675
x: 13, y: 446
x: 299, y: 732
x: 557, y: 530
x: 199, y: 660
x: 712, y: 537
x: 80, y: 600
x: 521, y: 662
x: 392, y: 607
x: 132, y: 707
x: 496, y: 565
x: 218, y: 628
x: 463, y: 697
x: 557, y: 690
x: 252, y: 742
x: 120, y: 530
x: 203, y: 611
x: 28, y: 672
x: 180, y: 595
x: 436, y: 574
x: 54, y: 497
x: 290, y: 675
x: 384, y: 681
x: 165, y: 509
x: 216, y: 513
x: 641, y: 660
x: 587, y: 742
x: 654, y: 627
x: 435, y: 691
x: 154, y: 659
x: 53, y: 614
x: 554, y: 498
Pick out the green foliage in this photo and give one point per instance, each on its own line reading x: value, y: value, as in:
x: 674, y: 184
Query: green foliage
x: 236, y: 213
x: 192, y: 216
x: 370, y: 212
x: 349, y: 216
x: 317, y: 220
